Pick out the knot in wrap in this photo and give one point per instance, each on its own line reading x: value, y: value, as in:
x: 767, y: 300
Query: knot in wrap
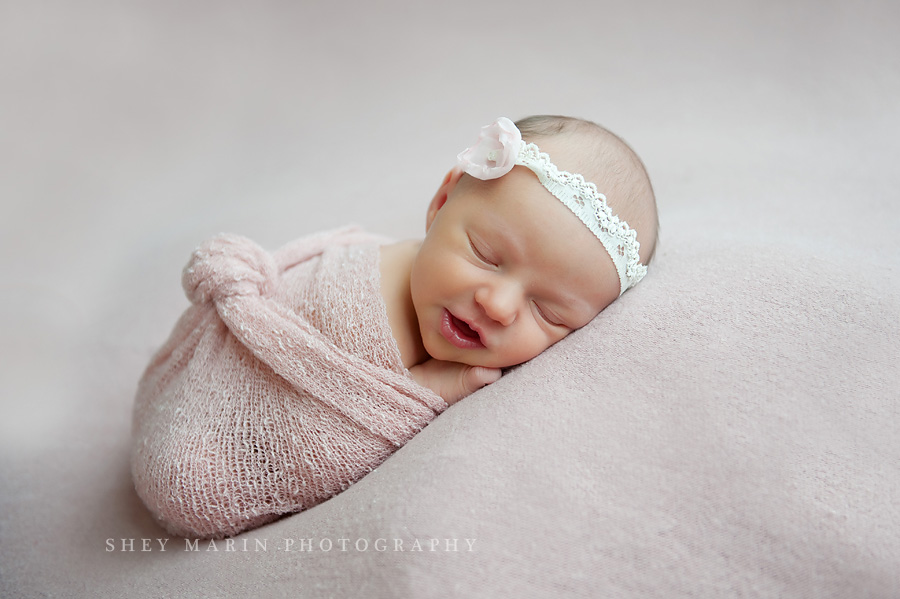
x: 228, y: 265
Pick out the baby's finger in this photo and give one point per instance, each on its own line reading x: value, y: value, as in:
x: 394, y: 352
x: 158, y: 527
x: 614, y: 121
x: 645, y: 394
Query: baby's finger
x: 477, y: 377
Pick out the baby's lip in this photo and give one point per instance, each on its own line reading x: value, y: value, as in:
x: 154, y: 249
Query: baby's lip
x: 460, y: 332
x: 474, y: 326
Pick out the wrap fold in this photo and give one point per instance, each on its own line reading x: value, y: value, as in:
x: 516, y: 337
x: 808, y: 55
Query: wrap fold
x: 279, y: 387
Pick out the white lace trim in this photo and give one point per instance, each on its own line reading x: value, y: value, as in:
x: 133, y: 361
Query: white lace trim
x: 589, y: 205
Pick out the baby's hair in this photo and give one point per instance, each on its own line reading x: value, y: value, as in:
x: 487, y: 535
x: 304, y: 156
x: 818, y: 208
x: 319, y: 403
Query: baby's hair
x: 612, y: 165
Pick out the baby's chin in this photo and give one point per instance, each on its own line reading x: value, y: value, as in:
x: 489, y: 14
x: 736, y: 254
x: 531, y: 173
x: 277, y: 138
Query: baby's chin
x: 475, y: 359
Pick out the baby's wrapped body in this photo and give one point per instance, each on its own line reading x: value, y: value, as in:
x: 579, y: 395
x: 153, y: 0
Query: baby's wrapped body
x: 278, y: 388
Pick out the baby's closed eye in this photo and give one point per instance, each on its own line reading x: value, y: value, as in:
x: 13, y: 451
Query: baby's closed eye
x: 548, y: 316
x: 482, y: 253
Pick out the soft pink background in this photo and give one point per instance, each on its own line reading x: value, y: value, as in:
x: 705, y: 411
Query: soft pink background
x: 729, y: 428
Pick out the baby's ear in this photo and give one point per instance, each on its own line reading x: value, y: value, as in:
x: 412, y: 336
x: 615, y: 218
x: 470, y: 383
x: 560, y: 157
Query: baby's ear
x: 443, y: 192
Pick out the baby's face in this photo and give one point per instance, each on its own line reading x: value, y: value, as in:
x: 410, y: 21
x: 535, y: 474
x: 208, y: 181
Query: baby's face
x: 505, y: 271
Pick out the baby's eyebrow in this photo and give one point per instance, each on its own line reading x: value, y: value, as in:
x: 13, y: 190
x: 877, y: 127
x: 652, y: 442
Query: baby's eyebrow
x: 571, y: 306
x: 567, y: 309
x: 502, y: 236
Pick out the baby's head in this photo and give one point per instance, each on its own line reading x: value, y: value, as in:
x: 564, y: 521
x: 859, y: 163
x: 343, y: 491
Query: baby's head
x: 520, y: 250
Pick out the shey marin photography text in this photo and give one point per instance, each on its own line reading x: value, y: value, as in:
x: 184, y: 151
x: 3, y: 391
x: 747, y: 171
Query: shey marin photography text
x: 304, y: 545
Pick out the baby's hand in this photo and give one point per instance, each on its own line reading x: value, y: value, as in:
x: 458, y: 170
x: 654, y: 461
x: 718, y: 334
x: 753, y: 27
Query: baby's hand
x: 452, y: 380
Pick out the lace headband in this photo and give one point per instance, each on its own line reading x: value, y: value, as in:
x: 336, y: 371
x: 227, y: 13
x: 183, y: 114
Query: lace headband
x: 500, y: 147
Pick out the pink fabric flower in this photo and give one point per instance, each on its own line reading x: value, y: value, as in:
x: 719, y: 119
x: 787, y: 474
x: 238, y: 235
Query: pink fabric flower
x: 495, y: 153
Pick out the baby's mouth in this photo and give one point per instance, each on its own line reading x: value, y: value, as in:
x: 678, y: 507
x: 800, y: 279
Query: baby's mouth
x: 459, y: 333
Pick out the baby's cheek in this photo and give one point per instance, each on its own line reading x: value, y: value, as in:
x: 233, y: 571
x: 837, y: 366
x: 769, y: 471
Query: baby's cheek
x: 525, y: 349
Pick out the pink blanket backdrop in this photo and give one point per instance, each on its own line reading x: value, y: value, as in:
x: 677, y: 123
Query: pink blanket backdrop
x: 729, y: 428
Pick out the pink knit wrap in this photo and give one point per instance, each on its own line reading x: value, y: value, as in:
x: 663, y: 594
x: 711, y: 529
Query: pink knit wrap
x: 279, y: 387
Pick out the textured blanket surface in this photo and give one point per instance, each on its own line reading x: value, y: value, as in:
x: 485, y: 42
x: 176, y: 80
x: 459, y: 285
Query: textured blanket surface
x: 278, y: 388
x: 727, y: 429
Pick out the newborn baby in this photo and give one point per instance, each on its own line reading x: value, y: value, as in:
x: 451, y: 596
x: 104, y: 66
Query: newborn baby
x: 294, y: 374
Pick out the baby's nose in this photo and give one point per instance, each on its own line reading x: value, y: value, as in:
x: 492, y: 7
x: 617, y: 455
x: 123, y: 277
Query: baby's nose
x: 500, y: 302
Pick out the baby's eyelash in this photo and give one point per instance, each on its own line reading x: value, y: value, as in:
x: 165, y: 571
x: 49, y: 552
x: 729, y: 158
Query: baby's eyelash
x: 547, y: 318
x: 478, y: 254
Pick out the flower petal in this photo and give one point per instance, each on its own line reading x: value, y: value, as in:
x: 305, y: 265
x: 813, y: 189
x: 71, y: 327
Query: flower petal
x: 495, y: 152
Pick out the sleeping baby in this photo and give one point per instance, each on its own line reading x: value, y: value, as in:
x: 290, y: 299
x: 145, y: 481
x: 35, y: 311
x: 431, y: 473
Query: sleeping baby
x: 295, y: 373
